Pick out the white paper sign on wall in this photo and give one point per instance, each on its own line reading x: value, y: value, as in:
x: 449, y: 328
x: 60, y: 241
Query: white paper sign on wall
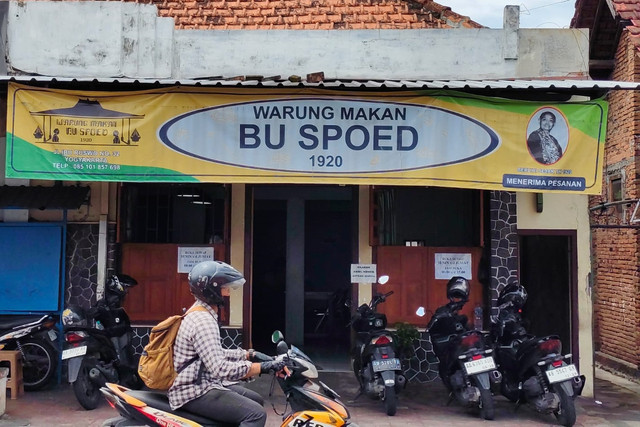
x: 363, y: 273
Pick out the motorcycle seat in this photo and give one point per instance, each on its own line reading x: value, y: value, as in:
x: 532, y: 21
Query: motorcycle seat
x: 365, y: 336
x: 159, y: 400
x: 10, y: 321
x: 529, y: 343
x: 441, y: 339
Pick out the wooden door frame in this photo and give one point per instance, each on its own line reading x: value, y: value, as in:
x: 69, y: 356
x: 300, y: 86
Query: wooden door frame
x: 573, y: 285
x: 247, y: 292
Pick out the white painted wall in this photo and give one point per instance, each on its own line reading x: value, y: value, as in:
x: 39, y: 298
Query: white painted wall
x: 568, y: 212
x: 116, y: 39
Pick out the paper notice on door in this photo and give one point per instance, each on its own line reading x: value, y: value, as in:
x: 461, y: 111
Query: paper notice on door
x: 188, y: 256
x: 449, y: 265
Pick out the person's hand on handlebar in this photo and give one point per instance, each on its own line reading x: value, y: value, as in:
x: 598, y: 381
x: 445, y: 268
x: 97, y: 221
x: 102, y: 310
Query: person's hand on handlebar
x: 272, y: 365
x: 256, y: 356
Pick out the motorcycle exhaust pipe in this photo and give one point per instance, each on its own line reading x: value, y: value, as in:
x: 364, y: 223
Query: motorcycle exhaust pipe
x: 96, y: 377
x: 401, y: 382
x: 578, y: 384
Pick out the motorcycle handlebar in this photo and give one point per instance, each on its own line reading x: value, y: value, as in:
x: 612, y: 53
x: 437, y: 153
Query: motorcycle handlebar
x: 377, y: 299
x: 445, y: 311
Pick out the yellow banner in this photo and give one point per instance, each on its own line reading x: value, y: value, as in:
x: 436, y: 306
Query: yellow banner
x: 261, y: 135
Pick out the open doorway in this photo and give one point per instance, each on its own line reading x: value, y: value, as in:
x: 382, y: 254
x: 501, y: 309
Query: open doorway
x: 269, y: 261
x: 546, y: 271
x: 327, y: 287
x: 302, y: 253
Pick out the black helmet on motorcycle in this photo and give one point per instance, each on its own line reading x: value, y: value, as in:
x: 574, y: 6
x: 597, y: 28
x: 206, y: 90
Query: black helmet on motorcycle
x: 458, y: 289
x: 118, y: 284
x: 207, y: 279
x: 117, y: 287
x: 513, y: 293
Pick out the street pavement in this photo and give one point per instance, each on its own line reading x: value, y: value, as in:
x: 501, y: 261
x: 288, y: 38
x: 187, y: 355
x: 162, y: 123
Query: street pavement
x: 616, y: 403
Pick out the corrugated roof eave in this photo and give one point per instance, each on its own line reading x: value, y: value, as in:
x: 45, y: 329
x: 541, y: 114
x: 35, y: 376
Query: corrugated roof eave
x: 515, y: 84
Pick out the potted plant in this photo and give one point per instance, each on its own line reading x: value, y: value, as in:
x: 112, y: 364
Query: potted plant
x: 406, y: 334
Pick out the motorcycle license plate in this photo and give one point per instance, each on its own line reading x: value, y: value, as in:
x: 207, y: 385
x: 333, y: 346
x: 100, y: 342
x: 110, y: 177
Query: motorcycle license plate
x: 562, y: 373
x: 385, y: 365
x: 481, y: 365
x: 74, y: 352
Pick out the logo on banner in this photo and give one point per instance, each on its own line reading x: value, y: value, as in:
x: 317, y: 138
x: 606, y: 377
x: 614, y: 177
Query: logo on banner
x: 86, y: 123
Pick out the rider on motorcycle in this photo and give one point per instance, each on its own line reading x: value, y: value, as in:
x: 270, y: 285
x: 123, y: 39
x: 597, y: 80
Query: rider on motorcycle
x: 207, y: 373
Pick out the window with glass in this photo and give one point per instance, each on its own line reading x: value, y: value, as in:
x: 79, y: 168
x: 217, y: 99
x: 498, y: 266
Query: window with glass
x: 173, y: 213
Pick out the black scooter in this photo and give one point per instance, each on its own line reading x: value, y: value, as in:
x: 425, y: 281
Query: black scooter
x: 534, y: 369
x: 374, y: 357
x: 98, y: 344
x: 34, y: 336
x: 466, y: 366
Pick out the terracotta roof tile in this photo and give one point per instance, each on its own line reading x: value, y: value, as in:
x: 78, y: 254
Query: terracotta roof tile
x: 627, y: 6
x: 629, y: 10
x: 309, y: 14
x: 627, y: 15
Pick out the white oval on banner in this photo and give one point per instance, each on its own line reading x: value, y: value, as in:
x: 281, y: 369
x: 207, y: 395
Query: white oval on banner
x: 321, y: 135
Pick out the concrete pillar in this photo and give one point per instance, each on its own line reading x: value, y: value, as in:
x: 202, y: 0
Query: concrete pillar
x: 236, y: 248
x: 365, y: 252
x: 295, y: 272
x: 102, y: 239
x: 511, y: 24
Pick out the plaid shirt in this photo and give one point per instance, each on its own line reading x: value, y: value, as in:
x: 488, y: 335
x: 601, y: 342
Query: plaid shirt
x: 199, y: 335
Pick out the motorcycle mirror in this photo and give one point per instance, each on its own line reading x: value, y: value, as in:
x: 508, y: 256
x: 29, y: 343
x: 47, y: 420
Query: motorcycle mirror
x: 277, y: 336
x: 282, y: 347
x: 421, y: 311
x: 383, y: 279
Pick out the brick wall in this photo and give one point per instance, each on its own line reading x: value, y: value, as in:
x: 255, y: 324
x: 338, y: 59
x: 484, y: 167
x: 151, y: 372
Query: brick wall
x: 616, y: 241
x: 616, y: 293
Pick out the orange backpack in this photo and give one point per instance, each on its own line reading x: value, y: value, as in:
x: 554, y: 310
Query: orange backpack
x: 156, y: 367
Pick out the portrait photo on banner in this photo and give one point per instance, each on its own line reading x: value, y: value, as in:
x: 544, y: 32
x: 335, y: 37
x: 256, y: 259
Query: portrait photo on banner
x: 547, y: 135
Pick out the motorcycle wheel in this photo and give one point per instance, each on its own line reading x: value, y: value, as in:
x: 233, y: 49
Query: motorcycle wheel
x: 39, y: 364
x: 487, y: 410
x: 390, y: 400
x: 566, y: 413
x: 86, y: 391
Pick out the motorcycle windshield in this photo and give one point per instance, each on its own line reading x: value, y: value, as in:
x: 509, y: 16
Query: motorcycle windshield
x: 299, y: 353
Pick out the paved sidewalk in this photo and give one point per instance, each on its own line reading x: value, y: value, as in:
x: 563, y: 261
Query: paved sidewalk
x: 617, y: 403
